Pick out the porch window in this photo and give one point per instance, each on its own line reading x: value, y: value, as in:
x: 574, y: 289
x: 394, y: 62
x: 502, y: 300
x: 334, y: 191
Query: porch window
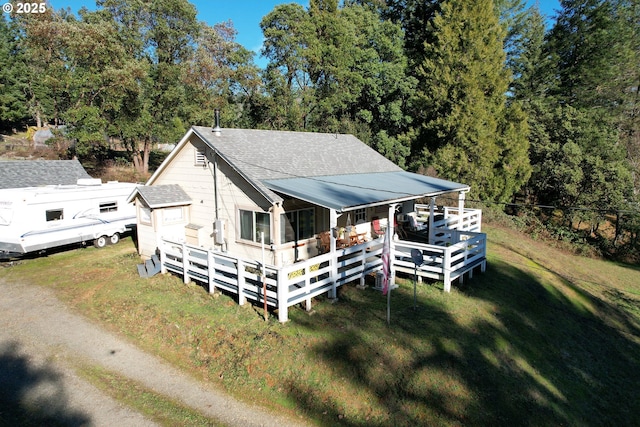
x: 297, y: 225
x: 253, y: 223
x: 360, y: 216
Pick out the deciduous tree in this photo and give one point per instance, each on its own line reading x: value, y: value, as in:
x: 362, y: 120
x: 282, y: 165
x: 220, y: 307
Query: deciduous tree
x: 13, y: 76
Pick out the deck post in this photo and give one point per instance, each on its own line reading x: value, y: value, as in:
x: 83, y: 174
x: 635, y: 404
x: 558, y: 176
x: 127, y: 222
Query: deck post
x: 333, y: 224
x: 163, y: 258
x: 241, y: 298
x: 391, y: 220
x: 185, y: 265
x: 446, y: 269
x: 283, y: 296
x: 307, y: 284
x: 363, y: 254
x: 461, y: 197
x: 211, y: 267
x: 432, y: 211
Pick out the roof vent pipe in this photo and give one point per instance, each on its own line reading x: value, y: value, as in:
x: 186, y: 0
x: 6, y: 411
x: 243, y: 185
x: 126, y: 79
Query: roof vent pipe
x: 216, y: 129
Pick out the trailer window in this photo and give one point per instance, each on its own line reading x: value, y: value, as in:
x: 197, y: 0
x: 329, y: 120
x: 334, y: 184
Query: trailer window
x: 54, y: 215
x: 108, y: 207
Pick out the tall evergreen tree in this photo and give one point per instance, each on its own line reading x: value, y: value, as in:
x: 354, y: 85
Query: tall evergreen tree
x: 469, y: 131
x: 628, y: 85
x: 589, y: 42
x: 529, y: 60
x: 589, y: 54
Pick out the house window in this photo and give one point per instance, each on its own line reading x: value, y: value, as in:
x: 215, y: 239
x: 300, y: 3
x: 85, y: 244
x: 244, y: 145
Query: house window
x: 360, y: 216
x: 253, y: 223
x: 297, y: 225
x: 54, y: 215
x: 200, y: 158
x: 108, y: 207
x: 145, y: 215
x: 172, y: 215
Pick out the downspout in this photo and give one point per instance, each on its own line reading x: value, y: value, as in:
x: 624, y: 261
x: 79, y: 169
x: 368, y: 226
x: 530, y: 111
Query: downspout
x: 215, y: 183
x: 216, y: 132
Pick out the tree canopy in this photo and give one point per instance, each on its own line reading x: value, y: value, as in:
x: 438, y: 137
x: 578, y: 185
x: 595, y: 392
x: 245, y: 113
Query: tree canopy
x: 487, y: 92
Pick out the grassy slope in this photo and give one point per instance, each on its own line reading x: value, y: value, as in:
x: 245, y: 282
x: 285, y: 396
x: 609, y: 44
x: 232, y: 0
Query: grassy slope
x: 542, y: 338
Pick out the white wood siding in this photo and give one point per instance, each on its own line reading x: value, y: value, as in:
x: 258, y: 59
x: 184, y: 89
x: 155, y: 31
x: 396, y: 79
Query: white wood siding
x: 233, y: 193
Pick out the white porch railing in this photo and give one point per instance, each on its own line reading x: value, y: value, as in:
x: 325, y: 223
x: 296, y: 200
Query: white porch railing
x: 300, y: 282
x: 451, y: 221
x: 446, y: 263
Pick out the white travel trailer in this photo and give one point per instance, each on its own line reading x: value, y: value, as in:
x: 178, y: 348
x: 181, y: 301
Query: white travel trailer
x: 38, y: 218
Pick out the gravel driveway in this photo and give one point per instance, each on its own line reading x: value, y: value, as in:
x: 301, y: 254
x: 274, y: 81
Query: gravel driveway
x: 40, y: 336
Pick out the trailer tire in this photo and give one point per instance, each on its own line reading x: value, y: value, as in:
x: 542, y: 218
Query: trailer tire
x: 115, y: 238
x: 100, y: 242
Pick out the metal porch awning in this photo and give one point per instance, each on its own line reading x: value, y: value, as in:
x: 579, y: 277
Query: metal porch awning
x: 354, y: 191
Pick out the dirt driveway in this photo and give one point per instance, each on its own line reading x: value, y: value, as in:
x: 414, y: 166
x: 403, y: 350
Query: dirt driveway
x: 39, y: 339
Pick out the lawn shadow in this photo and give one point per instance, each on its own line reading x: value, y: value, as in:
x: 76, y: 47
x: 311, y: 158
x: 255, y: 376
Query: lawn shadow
x: 32, y: 395
x: 534, y: 358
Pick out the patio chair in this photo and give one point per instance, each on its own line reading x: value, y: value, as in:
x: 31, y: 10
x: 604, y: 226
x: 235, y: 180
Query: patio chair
x: 325, y: 242
x: 378, y: 229
x: 414, y: 225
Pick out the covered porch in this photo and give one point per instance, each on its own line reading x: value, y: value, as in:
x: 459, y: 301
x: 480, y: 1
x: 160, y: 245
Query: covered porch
x: 391, y: 196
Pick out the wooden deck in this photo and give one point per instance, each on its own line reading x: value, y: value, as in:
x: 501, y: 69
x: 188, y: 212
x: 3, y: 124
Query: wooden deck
x: 298, y: 283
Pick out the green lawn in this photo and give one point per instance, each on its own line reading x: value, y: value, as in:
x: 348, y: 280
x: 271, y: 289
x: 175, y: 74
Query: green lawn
x: 541, y: 338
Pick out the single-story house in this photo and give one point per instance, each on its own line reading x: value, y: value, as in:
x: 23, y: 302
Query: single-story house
x: 221, y: 189
x: 307, y: 209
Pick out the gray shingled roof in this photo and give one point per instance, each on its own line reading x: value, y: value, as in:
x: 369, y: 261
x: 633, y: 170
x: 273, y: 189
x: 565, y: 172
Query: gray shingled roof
x: 36, y: 173
x: 261, y: 155
x: 159, y: 196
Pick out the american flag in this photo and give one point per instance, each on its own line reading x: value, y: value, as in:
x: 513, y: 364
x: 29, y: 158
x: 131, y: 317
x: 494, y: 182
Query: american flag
x: 386, y: 267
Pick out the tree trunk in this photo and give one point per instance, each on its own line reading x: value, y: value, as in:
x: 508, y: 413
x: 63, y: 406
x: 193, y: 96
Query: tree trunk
x: 137, y: 161
x: 145, y: 156
x: 615, y: 238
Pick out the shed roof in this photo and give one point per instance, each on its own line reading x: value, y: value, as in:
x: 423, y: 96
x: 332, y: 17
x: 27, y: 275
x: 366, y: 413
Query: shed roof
x: 352, y: 191
x: 36, y: 173
x: 160, y: 196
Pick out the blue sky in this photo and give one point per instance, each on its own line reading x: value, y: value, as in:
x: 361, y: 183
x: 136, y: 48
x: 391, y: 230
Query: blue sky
x: 247, y: 14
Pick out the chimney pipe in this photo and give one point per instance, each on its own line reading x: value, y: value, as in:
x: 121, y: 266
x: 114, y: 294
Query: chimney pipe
x: 216, y: 129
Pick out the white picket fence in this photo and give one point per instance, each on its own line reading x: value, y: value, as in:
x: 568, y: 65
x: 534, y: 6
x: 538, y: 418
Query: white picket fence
x: 300, y: 282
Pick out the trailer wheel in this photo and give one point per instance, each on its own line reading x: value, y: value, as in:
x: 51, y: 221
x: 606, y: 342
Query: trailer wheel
x: 100, y: 242
x: 115, y: 238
